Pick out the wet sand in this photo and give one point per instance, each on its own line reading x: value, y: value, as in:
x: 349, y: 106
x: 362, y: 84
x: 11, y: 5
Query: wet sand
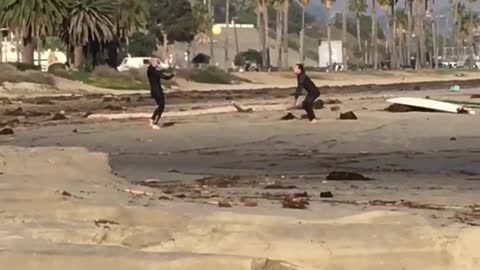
x: 420, y: 205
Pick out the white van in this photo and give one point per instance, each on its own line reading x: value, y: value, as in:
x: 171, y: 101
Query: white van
x: 137, y: 63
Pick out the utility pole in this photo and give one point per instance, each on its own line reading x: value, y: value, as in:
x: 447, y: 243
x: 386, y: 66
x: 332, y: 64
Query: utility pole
x: 227, y: 33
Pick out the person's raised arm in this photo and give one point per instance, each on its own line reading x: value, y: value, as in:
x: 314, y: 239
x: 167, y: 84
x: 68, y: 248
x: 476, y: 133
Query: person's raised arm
x: 165, y: 76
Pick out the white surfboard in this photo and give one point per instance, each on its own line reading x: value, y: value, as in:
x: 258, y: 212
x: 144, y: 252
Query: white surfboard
x: 431, y: 104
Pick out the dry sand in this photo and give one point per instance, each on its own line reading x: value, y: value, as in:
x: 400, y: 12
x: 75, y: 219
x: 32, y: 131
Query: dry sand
x: 62, y: 206
x: 62, y: 209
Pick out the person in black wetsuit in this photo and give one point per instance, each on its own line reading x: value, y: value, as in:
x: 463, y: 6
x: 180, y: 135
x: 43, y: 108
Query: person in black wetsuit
x: 304, y: 82
x: 156, y: 91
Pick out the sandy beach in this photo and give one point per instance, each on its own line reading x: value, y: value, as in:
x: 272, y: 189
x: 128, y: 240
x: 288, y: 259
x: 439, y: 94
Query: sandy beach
x: 210, y: 190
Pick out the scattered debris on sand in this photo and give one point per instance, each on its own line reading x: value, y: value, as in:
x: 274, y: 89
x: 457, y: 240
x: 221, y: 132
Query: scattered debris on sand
x: 318, y: 104
x: 224, y: 204
x: 168, y: 124
x: 59, y: 116
x: 114, y: 108
x: 279, y: 186
x: 326, y: 194
x: 218, y: 181
x: 335, y: 108
x: 250, y: 203
x: 293, y: 202
x: 399, y: 108
x: 347, y: 176
x: 7, y: 131
x: 332, y: 101
x: 242, y: 110
x: 10, y: 123
x: 348, y: 116
x: 289, y: 116
x: 104, y: 223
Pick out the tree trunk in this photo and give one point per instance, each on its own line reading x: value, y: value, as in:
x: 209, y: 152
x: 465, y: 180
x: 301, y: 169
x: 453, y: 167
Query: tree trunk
x: 470, y: 34
x: 39, y: 52
x: 359, y: 37
x: 456, y: 30
x: 1, y: 47
x: 261, y: 34
x: 286, y: 9
x: 434, y: 35
x: 302, y: 37
x: 329, y: 39
x: 374, y: 34
x: 227, y: 34
x: 279, y: 34
x: 409, y: 30
x: 78, y: 57
x: 267, y: 34
x: 401, y: 57
x: 210, y: 34
x: 344, y: 33
x: 394, y: 39
x: 237, y: 47
x: 27, y: 52
x: 421, y: 27
x: 18, y: 46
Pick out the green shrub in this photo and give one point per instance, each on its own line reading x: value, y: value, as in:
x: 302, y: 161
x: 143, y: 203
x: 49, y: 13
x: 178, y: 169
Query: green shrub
x: 210, y: 74
x: 56, y: 66
x: 9, y: 73
x: 110, y: 73
x: 250, y: 56
x: 25, y: 66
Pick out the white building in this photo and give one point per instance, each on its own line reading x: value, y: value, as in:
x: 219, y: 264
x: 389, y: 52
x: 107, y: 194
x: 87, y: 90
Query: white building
x: 10, y: 53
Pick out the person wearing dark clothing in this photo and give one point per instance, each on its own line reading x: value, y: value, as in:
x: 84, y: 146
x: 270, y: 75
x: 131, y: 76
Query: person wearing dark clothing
x: 156, y: 91
x: 304, y: 82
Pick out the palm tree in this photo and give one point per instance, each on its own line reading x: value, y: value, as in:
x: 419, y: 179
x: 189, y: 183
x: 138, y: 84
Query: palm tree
x: 90, y: 21
x: 420, y: 33
x: 385, y: 6
x: 358, y: 7
x: 303, y: 4
x: 286, y: 8
x: 400, y: 32
x: 328, y: 5
x: 344, y: 32
x: 278, y: 6
x: 130, y: 16
x: 472, y: 24
x: 261, y: 9
x: 32, y: 19
x: 374, y: 34
x: 409, y: 9
x: 394, y: 40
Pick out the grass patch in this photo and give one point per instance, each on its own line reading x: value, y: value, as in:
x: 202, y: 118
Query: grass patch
x: 10, y: 73
x: 210, y: 74
x: 104, y: 77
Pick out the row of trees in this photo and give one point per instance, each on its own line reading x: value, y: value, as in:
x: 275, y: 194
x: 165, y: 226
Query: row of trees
x: 97, y: 29
x: 411, y: 28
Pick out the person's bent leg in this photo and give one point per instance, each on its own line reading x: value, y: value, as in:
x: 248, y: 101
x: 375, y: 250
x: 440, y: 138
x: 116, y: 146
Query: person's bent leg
x: 308, y: 107
x: 160, y: 109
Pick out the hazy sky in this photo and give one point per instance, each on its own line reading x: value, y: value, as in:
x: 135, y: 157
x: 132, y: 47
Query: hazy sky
x: 316, y: 7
